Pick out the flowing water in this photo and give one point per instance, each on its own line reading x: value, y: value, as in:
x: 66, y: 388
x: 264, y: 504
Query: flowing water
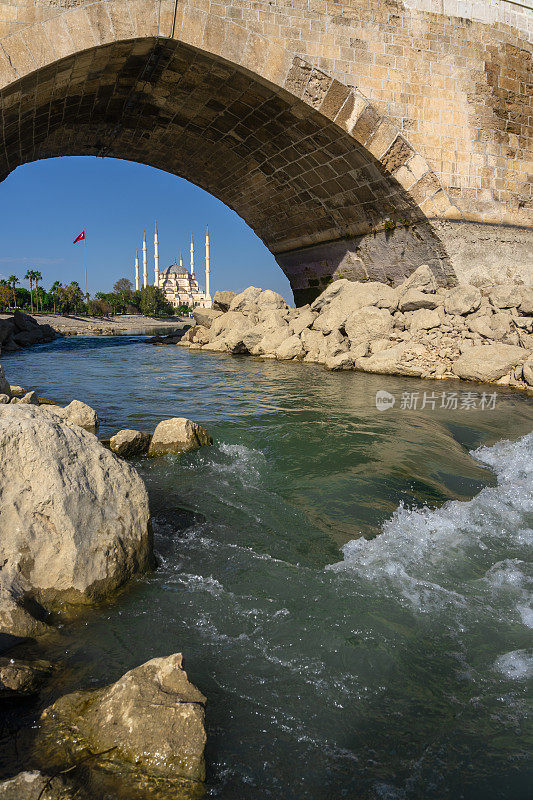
x: 351, y: 588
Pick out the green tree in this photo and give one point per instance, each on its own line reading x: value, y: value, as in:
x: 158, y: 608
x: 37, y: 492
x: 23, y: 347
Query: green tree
x: 37, y: 277
x: 5, y: 294
x: 152, y: 301
x: 54, y: 292
x: 30, y: 276
x: 13, y: 280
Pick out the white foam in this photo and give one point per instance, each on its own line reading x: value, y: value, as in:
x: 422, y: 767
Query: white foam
x: 516, y: 665
x: 434, y: 557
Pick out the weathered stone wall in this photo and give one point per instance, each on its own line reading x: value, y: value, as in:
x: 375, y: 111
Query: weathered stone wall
x: 454, y: 77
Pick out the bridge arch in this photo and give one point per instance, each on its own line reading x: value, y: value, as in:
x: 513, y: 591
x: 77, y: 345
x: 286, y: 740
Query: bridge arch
x: 329, y: 184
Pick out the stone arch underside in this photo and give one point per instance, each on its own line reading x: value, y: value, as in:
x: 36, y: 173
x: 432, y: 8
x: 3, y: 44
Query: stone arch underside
x: 330, y: 197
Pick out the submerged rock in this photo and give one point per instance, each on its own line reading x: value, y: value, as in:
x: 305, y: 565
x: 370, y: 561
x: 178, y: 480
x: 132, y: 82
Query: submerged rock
x: 150, y: 724
x: 75, y: 519
x: 178, y: 435
x: 130, y: 443
x: 22, y: 677
x: 36, y: 786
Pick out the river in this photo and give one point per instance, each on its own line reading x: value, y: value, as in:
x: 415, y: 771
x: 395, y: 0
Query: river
x: 350, y: 587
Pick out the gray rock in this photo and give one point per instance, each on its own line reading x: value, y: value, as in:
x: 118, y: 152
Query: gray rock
x: 527, y: 371
x: 422, y: 279
x: 19, y: 677
x: 23, y: 322
x: 423, y: 320
x: 37, y: 786
x: 369, y: 323
x: 206, y: 316
x: 414, y: 299
x: 5, y: 388
x: 462, y: 300
x: 526, y: 301
x: 75, y: 519
x: 4, y: 398
x: 178, y: 435
x: 222, y: 300
x: 17, y: 391
x: 269, y: 299
x: 505, y: 296
x: 30, y: 398
x: 246, y: 301
x: 151, y: 721
x: 291, y: 348
x: 7, y: 329
x: 129, y: 443
x: 78, y: 413
x: 488, y: 363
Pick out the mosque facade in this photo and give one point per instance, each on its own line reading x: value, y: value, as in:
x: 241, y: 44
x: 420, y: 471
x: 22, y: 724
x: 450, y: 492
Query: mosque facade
x: 178, y: 284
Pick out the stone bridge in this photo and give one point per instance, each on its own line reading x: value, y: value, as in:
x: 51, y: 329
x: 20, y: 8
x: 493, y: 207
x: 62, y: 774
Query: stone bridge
x: 358, y: 139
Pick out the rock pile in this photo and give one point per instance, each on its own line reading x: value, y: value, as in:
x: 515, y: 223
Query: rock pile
x: 21, y: 330
x: 417, y: 329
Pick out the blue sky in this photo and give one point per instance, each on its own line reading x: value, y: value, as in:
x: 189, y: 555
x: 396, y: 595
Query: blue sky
x: 45, y: 205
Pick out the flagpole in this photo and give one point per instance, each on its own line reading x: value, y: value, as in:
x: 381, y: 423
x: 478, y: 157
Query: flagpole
x: 85, y: 249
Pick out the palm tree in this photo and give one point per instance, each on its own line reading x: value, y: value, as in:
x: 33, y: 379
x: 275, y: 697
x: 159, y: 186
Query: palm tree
x: 13, y: 280
x: 54, y: 291
x: 29, y: 276
x: 37, y: 277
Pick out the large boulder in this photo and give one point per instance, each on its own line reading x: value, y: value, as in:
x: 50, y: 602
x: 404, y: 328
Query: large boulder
x: 23, y: 322
x: 129, y: 443
x: 7, y: 329
x: 462, y: 300
x: 527, y: 371
x: 506, y: 296
x: 487, y: 363
x: 178, y: 435
x: 5, y: 388
x: 291, y: 348
x: 37, y: 786
x: 526, y: 301
x: 414, y: 299
x: 150, y: 724
x: 222, y: 300
x: 206, y: 316
x: 369, y: 323
x: 246, y: 301
x: 74, y: 518
x: 422, y: 278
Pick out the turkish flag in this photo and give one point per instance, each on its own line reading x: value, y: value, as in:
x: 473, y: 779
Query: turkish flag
x: 79, y: 238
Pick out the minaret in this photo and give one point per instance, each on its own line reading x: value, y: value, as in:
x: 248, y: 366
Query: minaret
x: 145, y: 273
x: 192, y: 258
x: 207, y: 268
x: 181, y: 259
x: 136, y: 270
x: 156, y: 257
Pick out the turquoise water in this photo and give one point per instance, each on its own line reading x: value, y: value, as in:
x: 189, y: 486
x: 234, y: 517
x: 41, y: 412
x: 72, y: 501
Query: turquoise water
x: 350, y: 588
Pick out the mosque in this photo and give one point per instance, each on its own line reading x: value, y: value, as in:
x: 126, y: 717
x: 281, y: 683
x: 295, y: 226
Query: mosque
x: 178, y: 284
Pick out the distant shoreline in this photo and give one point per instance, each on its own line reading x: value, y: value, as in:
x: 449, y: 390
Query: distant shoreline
x: 81, y: 325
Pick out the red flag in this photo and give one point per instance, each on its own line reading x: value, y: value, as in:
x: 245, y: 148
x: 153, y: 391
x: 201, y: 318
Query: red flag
x: 79, y: 238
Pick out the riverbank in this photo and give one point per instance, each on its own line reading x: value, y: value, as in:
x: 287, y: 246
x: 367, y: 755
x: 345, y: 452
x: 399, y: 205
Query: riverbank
x: 416, y: 329
x: 80, y: 325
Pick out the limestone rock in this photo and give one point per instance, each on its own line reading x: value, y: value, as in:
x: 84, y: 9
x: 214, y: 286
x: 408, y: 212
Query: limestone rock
x: 486, y: 363
x: 205, y: 316
x: 413, y: 299
x: 526, y: 301
x: 232, y: 321
x: 462, y: 300
x: 505, y: 296
x: 15, y: 617
x: 271, y: 341
x: 129, y: 443
x: 269, y: 299
x: 527, y: 371
x: 422, y: 279
x: 37, y: 786
x: 4, y: 398
x: 246, y: 301
x: 341, y: 361
x: 30, y: 398
x: 222, y: 300
x: 368, y: 323
x: 75, y: 519
x: 178, y: 435
x: 17, y: 391
x: 302, y: 321
x: 424, y: 319
x: 19, y: 677
x: 81, y: 414
x: 291, y: 348
x: 5, y: 388
x: 151, y: 720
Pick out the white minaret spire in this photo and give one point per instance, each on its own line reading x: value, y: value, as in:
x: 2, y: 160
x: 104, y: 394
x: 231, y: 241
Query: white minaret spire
x: 181, y: 259
x: 207, y: 267
x: 156, y: 257
x: 192, y: 258
x: 145, y: 263
x: 136, y: 270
